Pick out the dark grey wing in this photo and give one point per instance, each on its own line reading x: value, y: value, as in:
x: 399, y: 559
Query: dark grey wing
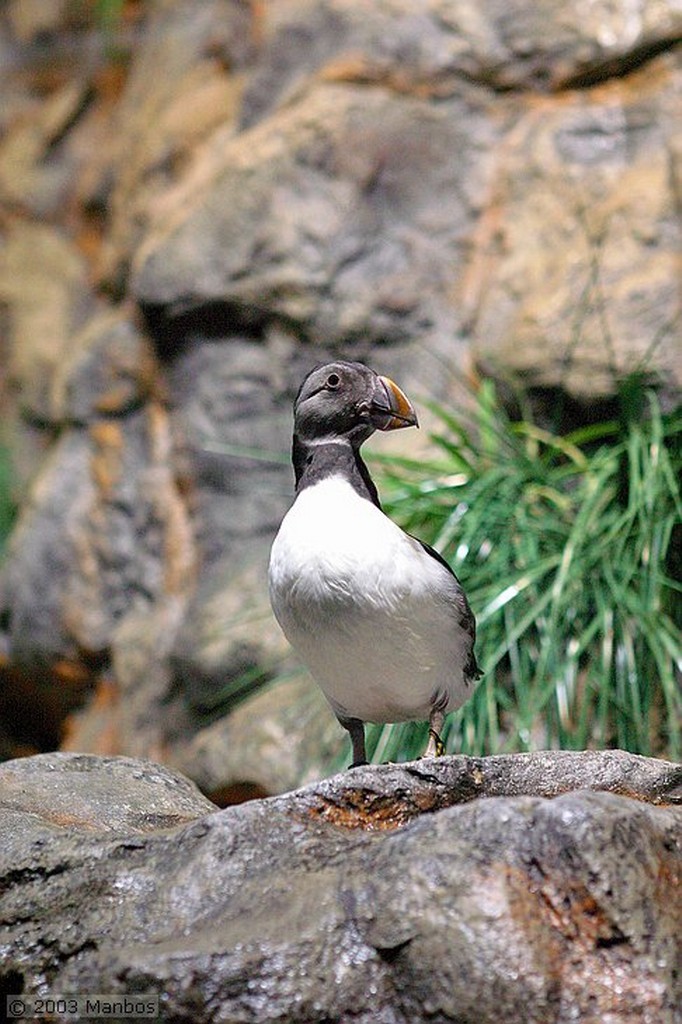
x: 466, y: 616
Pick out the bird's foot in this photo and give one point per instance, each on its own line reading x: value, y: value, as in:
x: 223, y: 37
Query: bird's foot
x: 435, y: 746
x: 357, y: 764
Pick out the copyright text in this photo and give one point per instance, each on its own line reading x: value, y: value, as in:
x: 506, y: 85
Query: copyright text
x: 132, y: 1007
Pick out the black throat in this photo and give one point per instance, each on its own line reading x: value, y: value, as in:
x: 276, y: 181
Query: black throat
x: 315, y: 462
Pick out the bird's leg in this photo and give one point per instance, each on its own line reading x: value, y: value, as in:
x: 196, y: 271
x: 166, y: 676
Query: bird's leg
x: 435, y: 747
x: 357, y: 737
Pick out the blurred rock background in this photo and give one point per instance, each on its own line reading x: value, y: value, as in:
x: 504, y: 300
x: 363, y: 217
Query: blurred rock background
x: 201, y: 200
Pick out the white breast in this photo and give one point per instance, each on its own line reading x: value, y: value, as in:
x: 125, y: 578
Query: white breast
x: 372, y: 615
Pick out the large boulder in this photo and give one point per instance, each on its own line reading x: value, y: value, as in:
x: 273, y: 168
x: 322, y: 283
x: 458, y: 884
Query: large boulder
x: 425, y: 173
x: 575, y: 282
x: 527, y: 888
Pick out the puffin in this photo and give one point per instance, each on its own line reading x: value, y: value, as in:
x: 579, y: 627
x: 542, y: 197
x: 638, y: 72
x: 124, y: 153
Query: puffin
x: 376, y: 615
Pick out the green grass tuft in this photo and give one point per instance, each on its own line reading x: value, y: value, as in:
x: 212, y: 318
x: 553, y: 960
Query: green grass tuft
x: 565, y: 547
x: 7, y: 505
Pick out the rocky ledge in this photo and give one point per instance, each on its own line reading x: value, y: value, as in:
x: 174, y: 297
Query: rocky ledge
x: 541, y: 887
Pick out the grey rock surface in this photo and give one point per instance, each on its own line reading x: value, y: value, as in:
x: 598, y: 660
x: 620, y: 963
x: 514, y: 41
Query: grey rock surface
x: 526, y: 47
x: 282, y: 737
x: 110, y: 370
x: 102, y: 533
x: 590, y: 178
x: 341, y: 215
x: 335, y: 204
x: 103, y: 795
x: 535, y: 889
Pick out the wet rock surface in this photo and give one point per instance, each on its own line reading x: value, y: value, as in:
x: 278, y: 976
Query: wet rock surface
x: 526, y: 888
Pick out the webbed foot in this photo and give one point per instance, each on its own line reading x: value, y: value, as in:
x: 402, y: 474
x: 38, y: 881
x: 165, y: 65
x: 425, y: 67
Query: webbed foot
x: 435, y: 747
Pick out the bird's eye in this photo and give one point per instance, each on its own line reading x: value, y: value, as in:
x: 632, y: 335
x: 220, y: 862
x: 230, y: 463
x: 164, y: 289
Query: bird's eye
x: 333, y: 381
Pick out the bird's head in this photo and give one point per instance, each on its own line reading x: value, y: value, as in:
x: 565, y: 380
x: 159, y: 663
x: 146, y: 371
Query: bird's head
x: 348, y: 400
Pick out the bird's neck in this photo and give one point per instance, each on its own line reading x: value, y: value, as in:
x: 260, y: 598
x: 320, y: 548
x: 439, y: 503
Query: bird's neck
x: 316, y: 460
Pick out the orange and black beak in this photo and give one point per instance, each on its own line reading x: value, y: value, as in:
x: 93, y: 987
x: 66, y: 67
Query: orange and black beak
x: 391, y: 409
